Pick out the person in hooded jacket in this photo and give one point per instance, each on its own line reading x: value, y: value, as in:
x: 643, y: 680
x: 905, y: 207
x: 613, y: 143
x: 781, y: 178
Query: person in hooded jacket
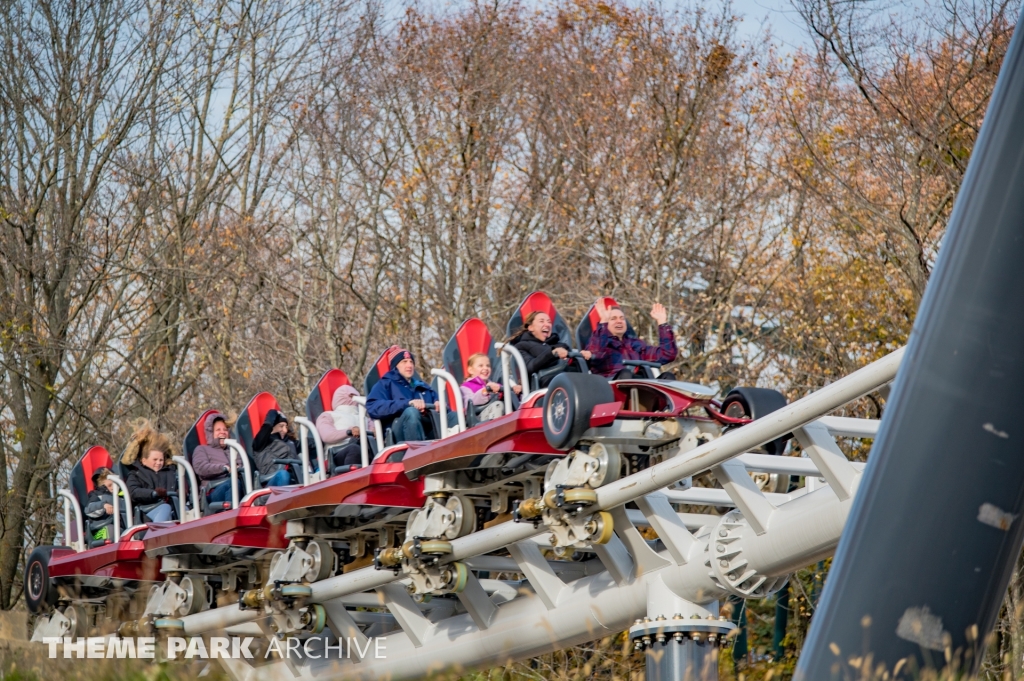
x: 150, y: 478
x: 339, y: 428
x: 539, y: 346
x: 402, y: 402
x: 210, y: 461
x: 274, y: 441
x: 99, y: 508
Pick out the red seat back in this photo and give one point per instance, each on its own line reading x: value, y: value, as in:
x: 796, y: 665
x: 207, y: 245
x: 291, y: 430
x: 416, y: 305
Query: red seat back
x: 379, y: 368
x: 196, y: 435
x: 470, y: 338
x: 588, y: 326
x: 251, y: 418
x: 94, y: 459
x: 540, y: 302
x: 320, y: 397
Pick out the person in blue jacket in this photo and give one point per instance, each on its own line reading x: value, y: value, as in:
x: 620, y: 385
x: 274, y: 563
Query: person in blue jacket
x: 402, y: 402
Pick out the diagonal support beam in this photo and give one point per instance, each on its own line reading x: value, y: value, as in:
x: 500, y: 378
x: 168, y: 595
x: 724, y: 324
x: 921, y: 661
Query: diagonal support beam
x: 644, y: 557
x: 538, y: 572
x: 748, y: 498
x: 616, y: 559
x: 477, y: 603
x: 821, y: 448
x: 668, y: 525
x: 406, y: 612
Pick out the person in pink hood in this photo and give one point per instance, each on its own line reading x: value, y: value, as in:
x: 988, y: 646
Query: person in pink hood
x: 339, y: 428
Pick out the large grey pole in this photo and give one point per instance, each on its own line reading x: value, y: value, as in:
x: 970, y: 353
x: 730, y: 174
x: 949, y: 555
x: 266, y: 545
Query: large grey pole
x: 937, y: 525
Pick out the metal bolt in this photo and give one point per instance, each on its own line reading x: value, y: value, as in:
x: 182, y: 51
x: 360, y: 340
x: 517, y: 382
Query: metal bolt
x: 723, y: 563
x: 677, y: 616
x: 638, y: 621
x: 694, y: 616
x: 660, y: 618
x: 723, y: 533
x: 721, y: 549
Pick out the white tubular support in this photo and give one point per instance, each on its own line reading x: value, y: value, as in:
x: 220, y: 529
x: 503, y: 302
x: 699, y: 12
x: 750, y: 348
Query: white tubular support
x: 364, y: 443
x: 70, y: 502
x: 443, y: 398
x: 191, y: 492
x: 129, y: 512
x: 238, y: 449
x: 319, y: 444
x: 507, y: 349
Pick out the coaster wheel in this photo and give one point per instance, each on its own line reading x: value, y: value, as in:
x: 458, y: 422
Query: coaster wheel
x: 460, y: 577
x: 754, y: 403
x: 40, y: 592
x: 568, y: 404
x: 580, y: 495
x: 323, y: 560
x: 296, y: 591
x: 465, y: 516
x: 195, y: 595
x: 318, y: 618
x: 604, y: 528
x: 436, y: 547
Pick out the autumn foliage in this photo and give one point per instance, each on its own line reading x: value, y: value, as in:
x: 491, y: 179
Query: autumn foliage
x: 208, y: 199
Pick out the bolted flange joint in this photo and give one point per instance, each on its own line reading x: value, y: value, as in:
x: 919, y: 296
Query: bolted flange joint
x: 647, y: 633
x: 730, y: 570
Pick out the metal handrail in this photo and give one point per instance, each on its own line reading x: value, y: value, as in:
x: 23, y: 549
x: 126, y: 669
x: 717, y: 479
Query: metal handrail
x: 233, y: 470
x: 71, y: 502
x: 321, y: 470
x: 442, y: 399
x: 184, y: 467
x: 129, y: 512
x: 506, y: 350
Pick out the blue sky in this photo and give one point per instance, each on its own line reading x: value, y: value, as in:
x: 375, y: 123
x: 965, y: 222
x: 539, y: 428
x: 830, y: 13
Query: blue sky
x: 787, y: 28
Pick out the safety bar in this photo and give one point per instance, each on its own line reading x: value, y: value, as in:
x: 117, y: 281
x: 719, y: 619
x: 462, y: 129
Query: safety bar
x: 322, y: 472
x: 442, y: 398
x: 507, y: 350
x: 193, y: 489
x: 129, y: 513
x: 378, y: 432
x: 71, y: 502
x: 233, y: 470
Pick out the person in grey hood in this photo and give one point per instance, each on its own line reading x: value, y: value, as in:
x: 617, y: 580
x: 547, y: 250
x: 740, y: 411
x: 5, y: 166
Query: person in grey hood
x: 211, y: 462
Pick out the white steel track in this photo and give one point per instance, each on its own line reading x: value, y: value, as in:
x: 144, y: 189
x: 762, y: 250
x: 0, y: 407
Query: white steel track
x: 748, y: 552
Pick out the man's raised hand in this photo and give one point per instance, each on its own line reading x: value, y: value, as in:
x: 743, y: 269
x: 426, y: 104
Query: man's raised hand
x: 659, y: 314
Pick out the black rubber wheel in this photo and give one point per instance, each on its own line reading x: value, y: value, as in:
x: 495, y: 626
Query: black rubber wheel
x: 569, y: 401
x: 40, y: 593
x: 754, y: 403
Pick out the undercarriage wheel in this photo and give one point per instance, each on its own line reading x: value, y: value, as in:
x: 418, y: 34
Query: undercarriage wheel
x: 168, y: 624
x: 323, y: 560
x: 318, y: 618
x: 195, y: 595
x: 580, y: 495
x: 296, y: 591
x: 40, y: 593
x: 79, y: 618
x: 460, y: 577
x: 436, y: 547
x: 465, y: 516
x: 604, y: 528
x: 568, y: 404
x: 609, y: 465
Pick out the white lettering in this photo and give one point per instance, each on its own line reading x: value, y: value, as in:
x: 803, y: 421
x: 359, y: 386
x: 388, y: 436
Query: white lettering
x: 328, y: 646
x: 97, y: 647
x: 52, y: 643
x: 196, y: 648
x: 240, y: 649
x: 121, y: 648
x: 361, y: 652
x: 275, y: 647
x: 146, y: 648
x: 175, y: 645
x: 313, y: 655
x: 219, y: 648
x: 76, y: 646
x: 377, y: 648
x: 293, y: 647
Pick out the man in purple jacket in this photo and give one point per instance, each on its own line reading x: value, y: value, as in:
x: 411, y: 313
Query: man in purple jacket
x: 610, y: 346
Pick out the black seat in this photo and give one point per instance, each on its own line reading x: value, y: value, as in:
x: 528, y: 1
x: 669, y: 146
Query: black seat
x: 318, y: 402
